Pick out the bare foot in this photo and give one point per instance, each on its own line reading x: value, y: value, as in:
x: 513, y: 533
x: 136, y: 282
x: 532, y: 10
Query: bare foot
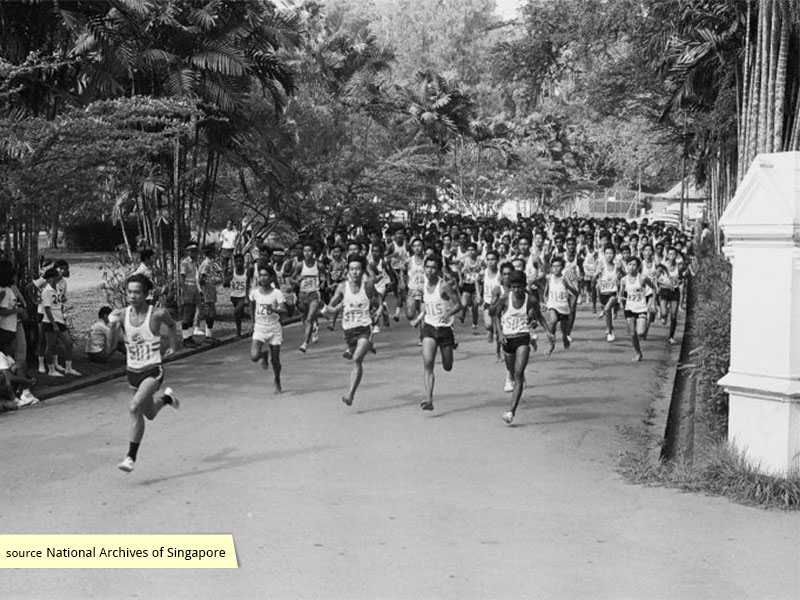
x: 347, y: 400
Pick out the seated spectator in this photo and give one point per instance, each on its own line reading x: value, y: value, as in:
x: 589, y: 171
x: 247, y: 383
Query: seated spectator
x: 15, y: 389
x: 97, y: 348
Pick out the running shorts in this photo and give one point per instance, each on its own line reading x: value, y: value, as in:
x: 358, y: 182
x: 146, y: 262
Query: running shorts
x: 135, y: 378
x: 517, y: 341
x: 467, y: 288
x: 351, y: 336
x: 629, y: 314
x: 443, y: 335
x: 273, y: 338
x: 53, y: 327
x: 604, y: 298
x: 670, y: 295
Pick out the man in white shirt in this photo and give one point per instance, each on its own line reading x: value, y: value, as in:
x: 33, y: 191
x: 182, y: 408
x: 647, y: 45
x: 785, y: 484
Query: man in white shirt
x: 228, y: 239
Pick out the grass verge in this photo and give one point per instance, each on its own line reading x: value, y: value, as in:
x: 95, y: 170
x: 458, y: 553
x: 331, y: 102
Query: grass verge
x: 717, y: 470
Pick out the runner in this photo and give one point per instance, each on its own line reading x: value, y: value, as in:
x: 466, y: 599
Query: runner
x: 308, y: 274
x: 336, y: 274
x: 240, y: 291
x: 210, y: 276
x: 557, y: 291
x: 514, y: 314
x: 489, y: 281
x: 382, y: 276
x: 636, y: 303
x: 398, y: 255
x: 415, y: 276
x: 140, y: 324
x: 669, y: 280
x: 441, y: 305
x: 469, y: 271
x: 356, y: 296
x: 607, y: 283
x: 267, y: 305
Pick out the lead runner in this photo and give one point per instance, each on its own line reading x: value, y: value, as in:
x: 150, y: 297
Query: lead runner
x: 140, y: 324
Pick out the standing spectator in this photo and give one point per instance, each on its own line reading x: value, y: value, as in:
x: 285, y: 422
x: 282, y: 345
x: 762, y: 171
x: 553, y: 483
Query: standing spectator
x: 228, y: 238
x: 210, y: 277
x: 146, y: 261
x: 55, y: 326
x: 191, y: 294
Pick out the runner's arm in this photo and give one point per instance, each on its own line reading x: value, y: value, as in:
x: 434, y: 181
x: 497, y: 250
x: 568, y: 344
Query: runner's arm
x: 164, y: 318
x: 336, y: 302
x: 455, y: 300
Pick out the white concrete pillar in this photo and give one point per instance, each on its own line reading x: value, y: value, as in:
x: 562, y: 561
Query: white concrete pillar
x: 762, y: 238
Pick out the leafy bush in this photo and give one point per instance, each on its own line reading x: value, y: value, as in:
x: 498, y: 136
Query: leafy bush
x: 97, y: 236
x: 115, y: 273
x: 712, y: 320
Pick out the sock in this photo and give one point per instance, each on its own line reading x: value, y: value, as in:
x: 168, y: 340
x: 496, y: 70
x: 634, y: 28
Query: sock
x: 198, y: 331
x: 41, y: 363
x: 187, y: 333
x: 209, y: 332
x: 133, y: 449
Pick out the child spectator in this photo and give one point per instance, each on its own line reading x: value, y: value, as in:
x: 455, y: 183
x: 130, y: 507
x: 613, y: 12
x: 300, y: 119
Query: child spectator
x: 97, y: 346
x: 12, y: 382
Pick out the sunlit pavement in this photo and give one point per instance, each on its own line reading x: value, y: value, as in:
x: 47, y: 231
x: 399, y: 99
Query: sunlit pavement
x: 381, y: 500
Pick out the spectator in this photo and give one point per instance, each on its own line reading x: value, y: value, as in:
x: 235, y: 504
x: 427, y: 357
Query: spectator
x: 210, y: 277
x: 191, y: 293
x: 15, y: 388
x: 55, y: 327
x: 10, y: 309
x: 97, y: 345
x: 146, y: 260
x: 228, y: 238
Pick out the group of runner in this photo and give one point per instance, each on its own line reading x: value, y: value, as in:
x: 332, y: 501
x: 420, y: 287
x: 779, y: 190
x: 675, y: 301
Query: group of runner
x: 517, y: 277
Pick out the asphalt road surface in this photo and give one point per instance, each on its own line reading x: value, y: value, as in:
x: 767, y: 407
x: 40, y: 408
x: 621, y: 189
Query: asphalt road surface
x: 381, y: 500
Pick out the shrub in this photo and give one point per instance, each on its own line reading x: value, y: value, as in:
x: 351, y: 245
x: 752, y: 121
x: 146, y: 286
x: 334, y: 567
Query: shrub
x: 712, y: 319
x: 97, y: 236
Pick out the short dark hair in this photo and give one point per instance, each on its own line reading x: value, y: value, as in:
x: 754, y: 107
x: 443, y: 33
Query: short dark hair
x: 61, y: 264
x: 141, y: 279
x: 145, y: 254
x: 434, y: 259
x: 51, y: 272
x: 557, y: 259
x: 351, y: 258
x: 103, y: 312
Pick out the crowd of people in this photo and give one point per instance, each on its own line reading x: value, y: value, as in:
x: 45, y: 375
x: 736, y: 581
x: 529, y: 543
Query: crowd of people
x: 518, y: 283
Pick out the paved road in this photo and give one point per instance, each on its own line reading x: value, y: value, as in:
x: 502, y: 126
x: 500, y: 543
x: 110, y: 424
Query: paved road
x: 381, y: 500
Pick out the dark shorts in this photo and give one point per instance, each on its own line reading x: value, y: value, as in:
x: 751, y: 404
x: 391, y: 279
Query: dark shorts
x: 53, y: 327
x: 518, y: 341
x: 306, y: 298
x: 351, y: 336
x: 467, y: 288
x: 629, y: 314
x: 8, y: 342
x: 135, y: 378
x: 560, y: 317
x: 443, y: 335
x: 670, y: 295
x: 236, y: 301
x: 604, y: 298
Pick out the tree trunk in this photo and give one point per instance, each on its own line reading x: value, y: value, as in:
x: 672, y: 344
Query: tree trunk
x: 753, y: 104
x: 774, y: 39
x: 176, y: 222
x: 747, y: 74
x: 763, y: 107
x: 780, y: 76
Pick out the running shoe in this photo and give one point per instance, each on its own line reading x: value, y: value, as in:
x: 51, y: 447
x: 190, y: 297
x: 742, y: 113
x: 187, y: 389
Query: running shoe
x: 419, y: 342
x: 475, y: 330
x: 426, y: 405
x: 347, y: 354
x: 396, y: 318
x: 672, y: 341
x: 347, y: 400
x: 174, y: 402
x: 126, y: 465
x: 376, y: 328
x: 315, y: 333
x: 508, y: 386
x: 508, y: 417
x: 610, y: 337
x: 303, y: 347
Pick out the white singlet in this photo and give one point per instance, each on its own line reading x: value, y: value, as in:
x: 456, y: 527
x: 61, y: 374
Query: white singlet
x: 557, y: 295
x: 515, y: 320
x: 436, y: 307
x: 355, y: 308
x: 266, y: 319
x: 238, y: 285
x: 416, y: 275
x: 637, y: 300
x: 490, y: 284
x: 143, y: 347
x: 309, y: 278
x: 608, y: 279
x: 590, y: 264
x: 571, y: 270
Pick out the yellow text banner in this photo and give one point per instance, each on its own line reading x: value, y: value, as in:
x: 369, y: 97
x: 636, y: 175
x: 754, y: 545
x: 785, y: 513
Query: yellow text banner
x: 106, y: 551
